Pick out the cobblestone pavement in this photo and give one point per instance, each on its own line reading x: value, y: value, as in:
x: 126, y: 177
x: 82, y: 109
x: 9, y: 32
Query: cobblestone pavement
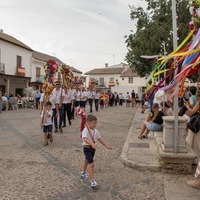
x: 30, y: 171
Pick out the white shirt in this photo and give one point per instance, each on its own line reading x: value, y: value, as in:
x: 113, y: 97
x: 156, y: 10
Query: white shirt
x: 52, y: 99
x: 58, y: 93
x: 67, y: 98
x: 157, y: 95
x: 90, y: 94
x: 72, y: 94
x: 78, y: 96
x: 83, y: 96
x: 96, y: 95
x: 120, y: 96
x: 85, y: 134
x: 47, y: 118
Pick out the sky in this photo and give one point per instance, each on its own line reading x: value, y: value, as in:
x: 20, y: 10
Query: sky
x: 84, y: 34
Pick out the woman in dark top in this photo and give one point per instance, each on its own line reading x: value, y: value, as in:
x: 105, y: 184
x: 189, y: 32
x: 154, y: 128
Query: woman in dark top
x: 153, y: 123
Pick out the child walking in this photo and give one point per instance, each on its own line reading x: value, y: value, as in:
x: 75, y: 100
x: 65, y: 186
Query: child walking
x: 46, y: 123
x: 90, y: 135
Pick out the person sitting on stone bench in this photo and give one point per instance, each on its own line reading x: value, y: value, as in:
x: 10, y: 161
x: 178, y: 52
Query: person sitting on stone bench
x: 166, y: 108
x: 154, y: 122
x: 195, y: 183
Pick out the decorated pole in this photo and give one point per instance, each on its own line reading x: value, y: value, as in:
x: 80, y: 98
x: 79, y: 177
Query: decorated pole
x: 174, y: 24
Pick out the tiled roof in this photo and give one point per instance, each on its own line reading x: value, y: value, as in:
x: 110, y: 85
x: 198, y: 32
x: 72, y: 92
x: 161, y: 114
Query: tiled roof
x: 45, y: 57
x: 129, y: 73
x: 13, y: 40
x: 106, y: 70
x: 75, y: 70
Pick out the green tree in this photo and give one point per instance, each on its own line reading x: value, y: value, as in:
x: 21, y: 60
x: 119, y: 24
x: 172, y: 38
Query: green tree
x: 154, y: 28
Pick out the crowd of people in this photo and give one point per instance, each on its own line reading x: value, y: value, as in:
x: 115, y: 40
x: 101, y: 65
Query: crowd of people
x: 11, y: 102
x: 65, y: 101
x: 160, y: 105
x: 59, y: 107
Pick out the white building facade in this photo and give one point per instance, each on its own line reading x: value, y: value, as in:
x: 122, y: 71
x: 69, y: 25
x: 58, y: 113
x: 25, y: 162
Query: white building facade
x: 117, y: 78
x: 21, y: 67
x: 15, y: 65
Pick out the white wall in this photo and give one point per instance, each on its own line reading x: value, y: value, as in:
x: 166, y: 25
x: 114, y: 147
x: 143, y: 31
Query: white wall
x: 35, y: 64
x: 105, y: 76
x: 137, y: 81
x: 9, y: 54
x: 124, y: 86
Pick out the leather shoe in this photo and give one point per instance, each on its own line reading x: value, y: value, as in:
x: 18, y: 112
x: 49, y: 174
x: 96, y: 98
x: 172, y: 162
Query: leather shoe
x: 194, y: 183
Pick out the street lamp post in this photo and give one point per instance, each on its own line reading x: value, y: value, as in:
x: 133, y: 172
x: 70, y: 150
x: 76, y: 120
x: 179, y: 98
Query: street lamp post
x: 174, y: 24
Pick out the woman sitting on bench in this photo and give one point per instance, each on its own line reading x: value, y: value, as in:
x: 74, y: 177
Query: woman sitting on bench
x: 153, y: 123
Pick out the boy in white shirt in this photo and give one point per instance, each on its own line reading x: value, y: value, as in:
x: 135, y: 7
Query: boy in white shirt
x: 46, y: 122
x: 90, y: 135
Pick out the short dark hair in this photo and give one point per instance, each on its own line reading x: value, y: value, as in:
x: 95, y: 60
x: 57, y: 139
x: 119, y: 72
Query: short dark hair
x: 155, y: 105
x: 91, y: 118
x: 193, y: 90
x: 48, y: 103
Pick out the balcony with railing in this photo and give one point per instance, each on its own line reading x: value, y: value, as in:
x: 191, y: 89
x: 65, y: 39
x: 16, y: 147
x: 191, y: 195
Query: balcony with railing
x: 21, y: 71
x: 111, y: 84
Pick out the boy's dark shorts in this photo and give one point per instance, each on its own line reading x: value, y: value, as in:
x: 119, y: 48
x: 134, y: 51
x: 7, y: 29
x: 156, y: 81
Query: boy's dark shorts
x: 47, y: 129
x: 142, y: 102
x: 89, y: 154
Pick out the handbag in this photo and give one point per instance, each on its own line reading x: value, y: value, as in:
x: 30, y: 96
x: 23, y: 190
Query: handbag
x: 194, y: 123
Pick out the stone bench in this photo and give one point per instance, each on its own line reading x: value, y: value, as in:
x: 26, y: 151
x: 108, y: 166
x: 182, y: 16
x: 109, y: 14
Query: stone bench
x: 159, y: 137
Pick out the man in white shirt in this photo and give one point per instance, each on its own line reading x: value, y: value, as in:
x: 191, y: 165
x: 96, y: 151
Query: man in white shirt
x: 90, y: 95
x: 72, y: 92
x: 158, y: 97
x: 59, y: 93
x: 67, y: 103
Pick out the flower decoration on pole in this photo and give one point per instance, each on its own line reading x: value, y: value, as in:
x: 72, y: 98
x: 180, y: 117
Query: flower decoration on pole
x: 50, y: 68
x: 93, y: 83
x: 195, y: 13
x: 77, y: 82
x: 67, y: 75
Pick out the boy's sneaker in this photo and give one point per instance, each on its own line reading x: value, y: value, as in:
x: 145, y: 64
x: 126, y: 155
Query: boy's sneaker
x: 60, y: 129
x: 51, y: 139
x: 93, y: 183
x: 84, y: 175
x: 45, y: 143
x: 56, y: 130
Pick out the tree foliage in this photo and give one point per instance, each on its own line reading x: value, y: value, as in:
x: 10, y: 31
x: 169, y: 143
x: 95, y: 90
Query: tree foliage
x: 153, y: 29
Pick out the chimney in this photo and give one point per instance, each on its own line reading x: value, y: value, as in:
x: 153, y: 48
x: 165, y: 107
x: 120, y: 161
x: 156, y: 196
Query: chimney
x: 1, y: 30
x: 106, y: 64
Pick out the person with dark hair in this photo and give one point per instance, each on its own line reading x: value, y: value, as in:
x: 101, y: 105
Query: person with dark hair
x: 133, y: 99
x: 166, y: 108
x: 37, y: 98
x: 195, y: 183
x: 153, y: 123
x: 193, y: 99
x: 46, y: 122
x: 90, y: 135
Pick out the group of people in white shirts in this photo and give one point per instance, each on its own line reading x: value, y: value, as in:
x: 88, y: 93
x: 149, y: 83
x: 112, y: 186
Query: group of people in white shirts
x: 65, y: 100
